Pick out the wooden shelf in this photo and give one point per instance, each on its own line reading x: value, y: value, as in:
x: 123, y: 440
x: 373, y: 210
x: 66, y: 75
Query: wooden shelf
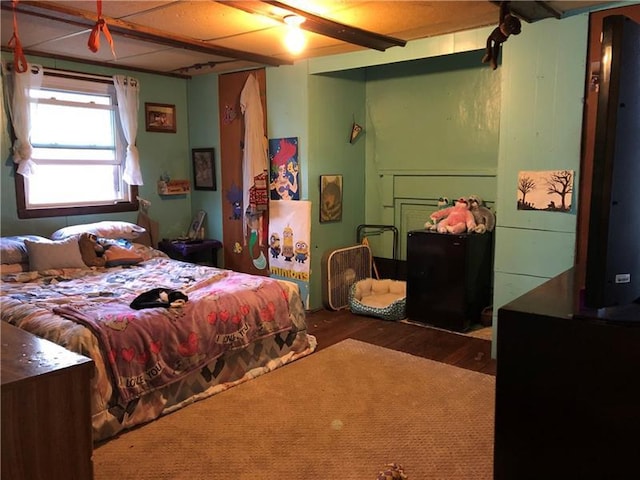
x: 174, y: 187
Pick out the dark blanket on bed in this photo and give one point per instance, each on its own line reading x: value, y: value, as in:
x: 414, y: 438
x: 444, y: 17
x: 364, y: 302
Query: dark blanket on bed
x: 153, y: 347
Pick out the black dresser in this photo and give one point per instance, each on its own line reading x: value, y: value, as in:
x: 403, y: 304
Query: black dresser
x: 448, y: 278
x: 567, y: 389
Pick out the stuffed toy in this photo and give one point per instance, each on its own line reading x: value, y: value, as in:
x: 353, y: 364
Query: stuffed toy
x: 392, y: 471
x: 456, y: 219
x: 91, y: 250
x: 509, y: 25
x: 443, y: 202
x: 485, y: 219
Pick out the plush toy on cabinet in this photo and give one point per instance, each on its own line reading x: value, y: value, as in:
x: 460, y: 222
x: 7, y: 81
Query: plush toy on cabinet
x: 484, y: 218
x: 456, y: 219
x: 443, y: 202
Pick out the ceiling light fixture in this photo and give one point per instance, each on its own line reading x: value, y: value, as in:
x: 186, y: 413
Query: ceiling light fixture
x: 319, y: 25
x: 294, y: 39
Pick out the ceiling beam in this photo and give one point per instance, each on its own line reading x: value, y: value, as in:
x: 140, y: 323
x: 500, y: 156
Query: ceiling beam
x: 36, y: 53
x: 532, y: 11
x: 317, y: 24
x: 82, y: 18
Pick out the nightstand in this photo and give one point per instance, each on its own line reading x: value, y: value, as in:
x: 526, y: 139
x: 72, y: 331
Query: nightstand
x: 200, y: 251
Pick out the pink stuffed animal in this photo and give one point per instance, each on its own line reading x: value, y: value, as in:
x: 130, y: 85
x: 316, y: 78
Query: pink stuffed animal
x: 456, y: 219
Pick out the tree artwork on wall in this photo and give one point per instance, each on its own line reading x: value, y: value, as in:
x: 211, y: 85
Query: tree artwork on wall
x: 549, y: 191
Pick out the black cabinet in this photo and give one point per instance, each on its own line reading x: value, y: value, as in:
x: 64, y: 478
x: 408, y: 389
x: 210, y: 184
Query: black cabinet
x: 448, y: 278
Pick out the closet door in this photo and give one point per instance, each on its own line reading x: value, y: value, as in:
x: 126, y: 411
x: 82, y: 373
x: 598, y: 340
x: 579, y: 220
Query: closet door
x: 242, y: 251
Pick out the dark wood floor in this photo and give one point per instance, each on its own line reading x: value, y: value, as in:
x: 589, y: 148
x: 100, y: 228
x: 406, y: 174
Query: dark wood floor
x: 463, y: 351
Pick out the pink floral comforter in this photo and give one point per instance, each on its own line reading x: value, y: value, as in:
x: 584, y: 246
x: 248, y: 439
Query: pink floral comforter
x: 147, y: 349
x: 150, y: 348
x: 218, y: 301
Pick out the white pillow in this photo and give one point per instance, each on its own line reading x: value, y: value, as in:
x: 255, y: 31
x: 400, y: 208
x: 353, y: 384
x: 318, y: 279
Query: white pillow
x: 54, y: 255
x: 13, y: 250
x: 106, y: 229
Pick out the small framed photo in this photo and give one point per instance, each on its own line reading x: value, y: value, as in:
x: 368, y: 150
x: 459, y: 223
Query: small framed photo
x: 196, y: 225
x: 160, y: 117
x: 204, y: 168
x: 330, y: 198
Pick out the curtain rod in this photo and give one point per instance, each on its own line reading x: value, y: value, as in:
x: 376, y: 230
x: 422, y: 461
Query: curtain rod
x: 54, y: 72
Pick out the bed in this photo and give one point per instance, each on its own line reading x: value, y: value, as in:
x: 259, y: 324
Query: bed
x: 166, y: 352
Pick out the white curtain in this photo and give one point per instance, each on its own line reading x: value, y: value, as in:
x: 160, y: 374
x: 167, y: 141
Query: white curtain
x: 127, y: 92
x: 18, y: 87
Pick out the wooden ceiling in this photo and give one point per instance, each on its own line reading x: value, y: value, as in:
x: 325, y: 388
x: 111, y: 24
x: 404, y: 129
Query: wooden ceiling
x: 186, y: 38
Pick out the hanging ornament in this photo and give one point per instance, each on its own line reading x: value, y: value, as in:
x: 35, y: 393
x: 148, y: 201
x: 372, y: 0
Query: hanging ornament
x: 100, y: 26
x: 19, y: 60
x: 355, y: 131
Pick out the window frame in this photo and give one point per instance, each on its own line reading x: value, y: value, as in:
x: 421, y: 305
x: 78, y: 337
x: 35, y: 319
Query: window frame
x: 23, y: 212
x: 121, y: 206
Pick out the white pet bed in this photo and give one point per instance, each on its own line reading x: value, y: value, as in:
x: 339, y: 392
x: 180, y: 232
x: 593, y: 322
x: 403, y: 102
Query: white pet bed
x: 386, y: 299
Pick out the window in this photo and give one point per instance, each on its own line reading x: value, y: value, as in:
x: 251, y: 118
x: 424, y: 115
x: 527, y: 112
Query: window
x: 77, y: 149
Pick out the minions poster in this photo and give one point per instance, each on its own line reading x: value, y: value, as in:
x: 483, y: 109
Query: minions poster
x: 289, y: 241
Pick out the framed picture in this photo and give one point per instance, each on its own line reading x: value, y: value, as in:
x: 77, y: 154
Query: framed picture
x: 160, y: 117
x: 330, y: 198
x: 196, y: 225
x: 284, y: 169
x: 204, y: 169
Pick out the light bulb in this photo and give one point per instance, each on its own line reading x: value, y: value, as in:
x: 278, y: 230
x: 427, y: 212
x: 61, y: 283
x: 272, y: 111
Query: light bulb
x: 294, y: 40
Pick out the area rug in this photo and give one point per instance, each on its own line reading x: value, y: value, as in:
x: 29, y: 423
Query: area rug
x: 341, y: 413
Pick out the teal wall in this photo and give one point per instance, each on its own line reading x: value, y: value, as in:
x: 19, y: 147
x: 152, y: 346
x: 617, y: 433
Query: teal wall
x: 204, y: 132
x: 542, y: 80
x: 438, y: 113
x: 334, y: 101
x: 539, y: 85
x: 292, y: 94
x: 540, y: 129
x: 388, y: 101
x: 431, y: 130
x: 288, y: 114
x: 159, y: 152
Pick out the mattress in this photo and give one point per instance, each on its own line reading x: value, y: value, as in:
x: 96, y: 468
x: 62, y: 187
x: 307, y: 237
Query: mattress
x: 232, y: 328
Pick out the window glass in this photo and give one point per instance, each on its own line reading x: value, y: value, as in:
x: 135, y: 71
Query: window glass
x: 77, y: 147
x: 73, y: 186
x: 57, y: 123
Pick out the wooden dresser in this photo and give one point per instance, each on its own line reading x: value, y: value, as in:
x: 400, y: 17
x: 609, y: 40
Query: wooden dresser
x: 46, y: 411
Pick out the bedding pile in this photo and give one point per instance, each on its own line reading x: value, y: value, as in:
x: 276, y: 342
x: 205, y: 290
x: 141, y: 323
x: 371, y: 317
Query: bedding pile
x: 228, y: 327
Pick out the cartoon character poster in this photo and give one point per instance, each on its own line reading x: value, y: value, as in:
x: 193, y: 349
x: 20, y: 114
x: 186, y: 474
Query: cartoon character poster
x: 284, y: 168
x: 289, y: 243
